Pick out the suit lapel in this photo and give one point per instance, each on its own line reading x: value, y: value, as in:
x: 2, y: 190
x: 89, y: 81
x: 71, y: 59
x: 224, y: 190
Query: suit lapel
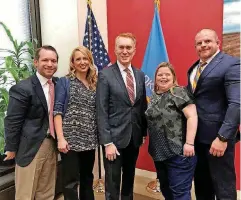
x: 189, y: 75
x: 39, y: 91
x: 209, y: 68
x: 119, y: 78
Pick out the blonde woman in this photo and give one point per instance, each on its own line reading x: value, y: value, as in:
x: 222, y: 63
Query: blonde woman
x: 75, y: 124
x: 172, y: 125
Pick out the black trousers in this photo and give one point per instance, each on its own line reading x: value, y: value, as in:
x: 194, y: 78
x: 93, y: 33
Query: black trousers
x: 215, y: 176
x: 125, y: 164
x: 77, y: 170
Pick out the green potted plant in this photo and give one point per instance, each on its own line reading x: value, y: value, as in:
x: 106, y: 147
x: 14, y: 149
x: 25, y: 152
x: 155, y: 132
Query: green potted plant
x: 15, y: 66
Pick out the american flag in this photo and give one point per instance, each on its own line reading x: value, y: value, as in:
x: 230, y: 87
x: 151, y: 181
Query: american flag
x: 94, y: 42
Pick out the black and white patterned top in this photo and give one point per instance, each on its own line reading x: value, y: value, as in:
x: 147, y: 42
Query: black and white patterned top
x: 79, y: 123
x: 167, y: 123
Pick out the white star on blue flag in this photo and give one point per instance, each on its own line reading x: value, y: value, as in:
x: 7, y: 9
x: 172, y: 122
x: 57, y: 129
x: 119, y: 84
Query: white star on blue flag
x: 93, y: 41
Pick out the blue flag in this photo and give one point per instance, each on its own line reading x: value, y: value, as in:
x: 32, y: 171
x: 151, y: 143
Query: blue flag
x: 93, y: 41
x: 155, y: 53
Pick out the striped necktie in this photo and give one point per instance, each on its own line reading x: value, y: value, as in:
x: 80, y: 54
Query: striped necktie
x: 198, y: 73
x: 130, y: 85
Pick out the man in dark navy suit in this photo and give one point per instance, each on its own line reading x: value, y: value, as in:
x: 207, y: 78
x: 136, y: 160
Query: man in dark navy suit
x: 214, y: 81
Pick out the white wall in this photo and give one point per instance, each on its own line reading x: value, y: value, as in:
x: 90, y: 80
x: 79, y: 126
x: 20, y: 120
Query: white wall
x: 59, y: 26
x: 63, y: 25
x: 100, y: 11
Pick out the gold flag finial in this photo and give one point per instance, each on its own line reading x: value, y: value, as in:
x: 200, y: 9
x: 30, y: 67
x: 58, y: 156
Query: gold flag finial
x: 157, y: 3
x: 89, y: 3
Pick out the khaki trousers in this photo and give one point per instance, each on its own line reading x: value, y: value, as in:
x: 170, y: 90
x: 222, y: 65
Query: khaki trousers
x: 37, y: 180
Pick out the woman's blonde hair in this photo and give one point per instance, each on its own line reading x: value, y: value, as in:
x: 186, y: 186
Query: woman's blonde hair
x: 91, y: 74
x: 169, y: 66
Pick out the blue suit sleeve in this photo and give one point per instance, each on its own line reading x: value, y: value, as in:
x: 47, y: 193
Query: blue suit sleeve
x: 60, y: 97
x: 232, y: 87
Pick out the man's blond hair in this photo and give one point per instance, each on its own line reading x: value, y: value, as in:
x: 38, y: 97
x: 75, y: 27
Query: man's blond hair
x: 126, y: 35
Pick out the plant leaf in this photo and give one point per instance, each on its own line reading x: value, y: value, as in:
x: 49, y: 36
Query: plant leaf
x: 8, y: 51
x: 4, y: 95
x: 4, y: 78
x: 14, y: 42
x: 12, y: 68
x: 20, y: 47
x: 7, y: 32
x: 2, y: 71
x: 3, y: 107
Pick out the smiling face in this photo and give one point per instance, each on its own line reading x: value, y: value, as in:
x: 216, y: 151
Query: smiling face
x: 164, y: 79
x: 80, y: 62
x: 125, y: 50
x: 47, y: 63
x: 206, y: 44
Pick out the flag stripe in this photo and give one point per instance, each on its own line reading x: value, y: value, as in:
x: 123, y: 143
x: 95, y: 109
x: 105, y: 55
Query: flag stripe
x: 93, y: 41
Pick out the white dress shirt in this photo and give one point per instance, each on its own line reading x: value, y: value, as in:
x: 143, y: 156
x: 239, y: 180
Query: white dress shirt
x: 194, y: 71
x: 44, y: 83
x: 124, y: 74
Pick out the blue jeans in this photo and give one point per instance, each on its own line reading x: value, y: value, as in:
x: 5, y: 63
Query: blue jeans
x: 175, y: 176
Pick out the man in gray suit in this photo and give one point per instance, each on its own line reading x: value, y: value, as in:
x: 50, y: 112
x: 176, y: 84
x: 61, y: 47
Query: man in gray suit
x: 121, y: 104
x: 29, y: 132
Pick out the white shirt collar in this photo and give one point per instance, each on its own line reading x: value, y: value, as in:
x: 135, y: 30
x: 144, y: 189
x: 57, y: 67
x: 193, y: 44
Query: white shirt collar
x: 42, y: 79
x: 210, y: 59
x: 122, y: 68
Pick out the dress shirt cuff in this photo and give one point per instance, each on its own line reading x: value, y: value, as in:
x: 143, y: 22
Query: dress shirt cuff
x: 57, y: 113
x: 108, y: 144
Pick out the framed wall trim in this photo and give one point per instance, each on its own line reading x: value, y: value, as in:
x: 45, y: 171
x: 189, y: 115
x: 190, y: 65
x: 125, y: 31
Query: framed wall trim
x: 35, y: 21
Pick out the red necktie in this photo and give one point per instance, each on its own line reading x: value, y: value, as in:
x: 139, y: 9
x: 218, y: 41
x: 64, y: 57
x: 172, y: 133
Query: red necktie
x: 51, y: 108
x: 130, y: 85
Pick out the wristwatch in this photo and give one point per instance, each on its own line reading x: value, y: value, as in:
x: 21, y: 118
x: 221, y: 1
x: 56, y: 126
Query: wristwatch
x: 222, y: 138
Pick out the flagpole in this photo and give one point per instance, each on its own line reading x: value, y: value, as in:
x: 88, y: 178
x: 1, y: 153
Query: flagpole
x: 98, y: 185
x: 90, y: 27
x: 154, y: 186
